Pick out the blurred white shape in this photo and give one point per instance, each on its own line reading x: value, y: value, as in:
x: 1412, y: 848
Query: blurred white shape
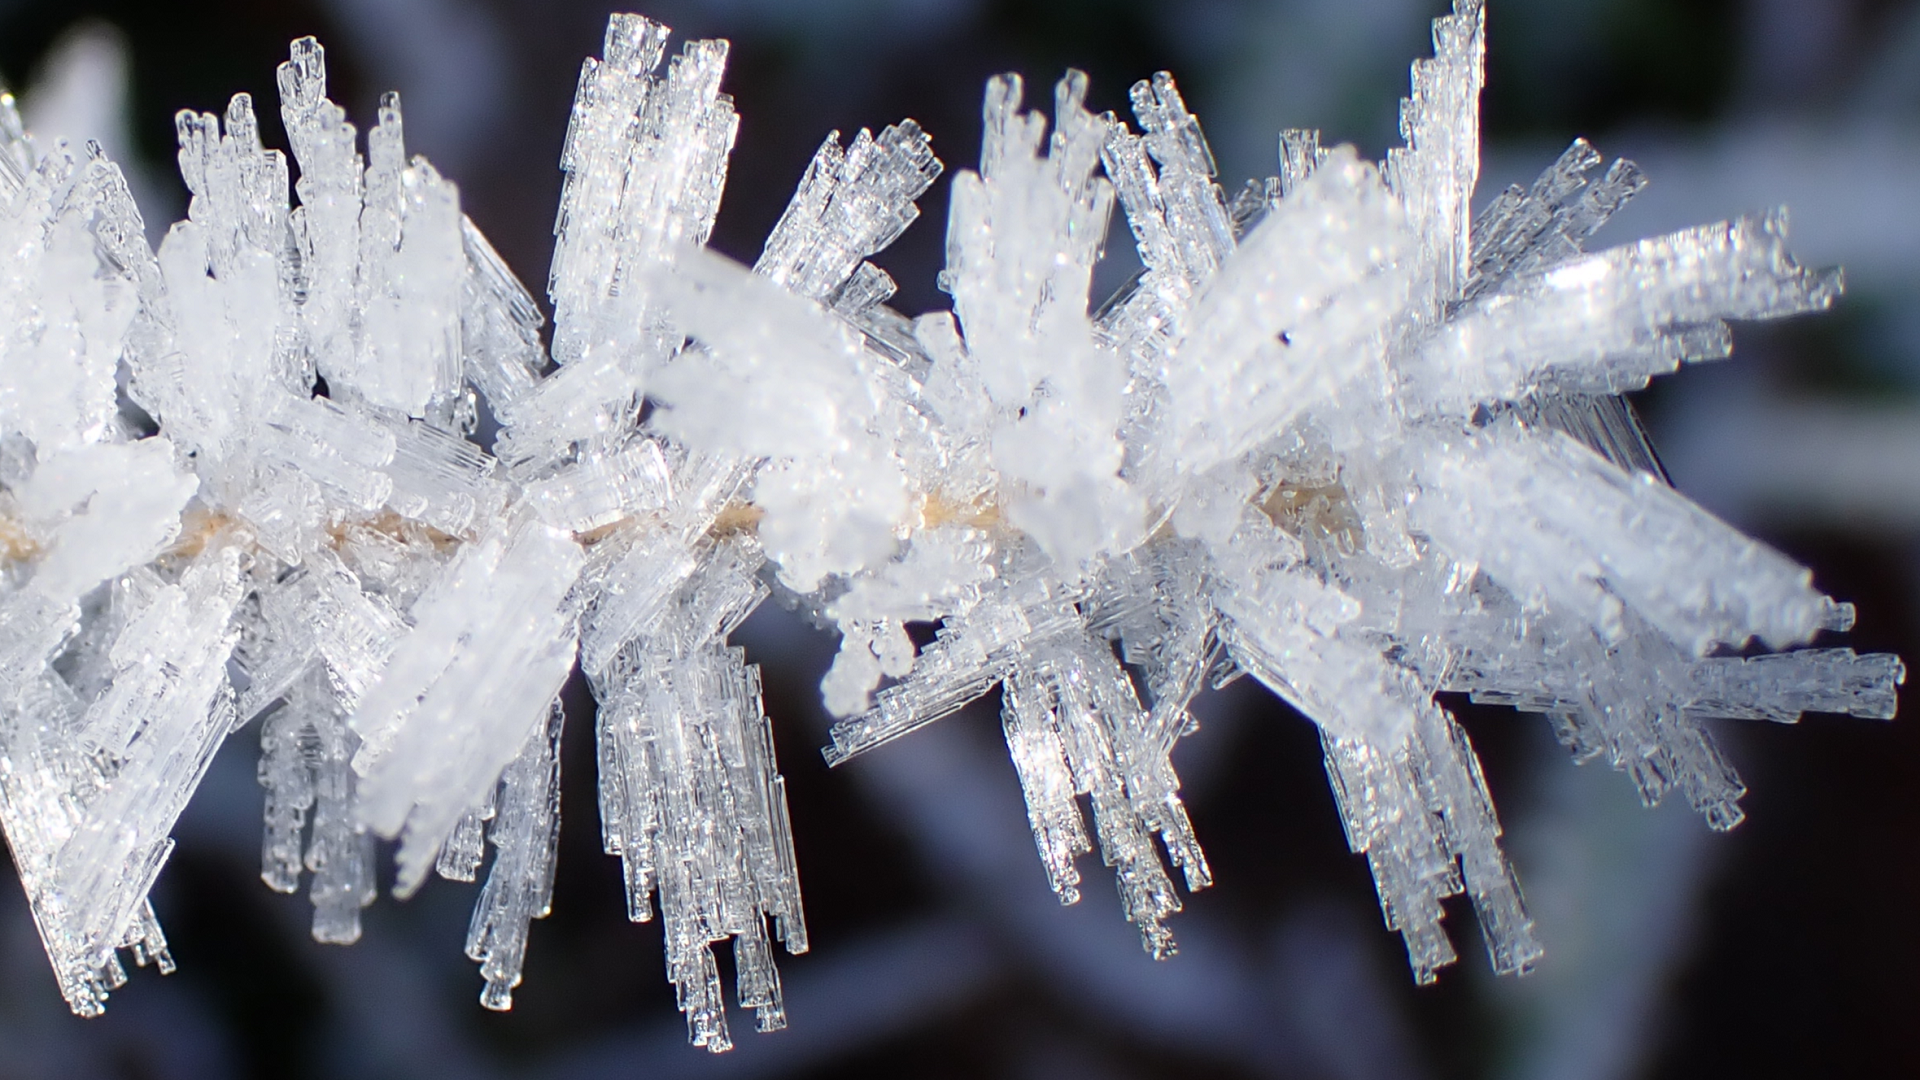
x: 1753, y: 457
x: 80, y: 93
x: 1851, y: 189
x: 1615, y: 887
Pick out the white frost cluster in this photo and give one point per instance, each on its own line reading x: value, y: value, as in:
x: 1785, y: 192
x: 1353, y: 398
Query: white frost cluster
x: 1339, y: 434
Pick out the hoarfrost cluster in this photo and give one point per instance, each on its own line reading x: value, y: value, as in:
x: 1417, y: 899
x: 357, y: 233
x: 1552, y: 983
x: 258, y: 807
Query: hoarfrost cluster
x: 1340, y: 434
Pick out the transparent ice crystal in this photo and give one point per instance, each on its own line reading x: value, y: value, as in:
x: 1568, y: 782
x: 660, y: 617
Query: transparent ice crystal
x: 1339, y: 434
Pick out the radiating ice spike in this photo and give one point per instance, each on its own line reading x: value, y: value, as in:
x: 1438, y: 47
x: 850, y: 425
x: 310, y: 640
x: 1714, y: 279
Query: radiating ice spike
x: 525, y: 834
x: 1599, y: 542
x: 1435, y: 173
x: 1606, y: 323
x: 493, y: 632
x: 851, y: 203
x: 691, y: 802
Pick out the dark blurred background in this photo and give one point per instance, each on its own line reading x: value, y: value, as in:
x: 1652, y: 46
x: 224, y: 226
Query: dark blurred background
x: 1786, y: 948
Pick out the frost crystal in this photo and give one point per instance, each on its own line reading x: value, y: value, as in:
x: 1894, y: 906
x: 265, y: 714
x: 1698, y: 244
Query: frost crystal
x: 1339, y: 434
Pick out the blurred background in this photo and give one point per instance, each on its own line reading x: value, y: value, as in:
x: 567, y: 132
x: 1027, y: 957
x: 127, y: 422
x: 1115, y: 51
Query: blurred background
x: 1787, y: 947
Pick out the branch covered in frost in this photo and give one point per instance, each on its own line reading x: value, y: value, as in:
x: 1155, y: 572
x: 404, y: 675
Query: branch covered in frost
x: 1338, y: 435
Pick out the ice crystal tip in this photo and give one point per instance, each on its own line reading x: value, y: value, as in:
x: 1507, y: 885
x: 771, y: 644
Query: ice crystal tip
x: 1338, y: 434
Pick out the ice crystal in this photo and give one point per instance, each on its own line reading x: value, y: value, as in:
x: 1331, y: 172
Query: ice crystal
x: 1339, y: 434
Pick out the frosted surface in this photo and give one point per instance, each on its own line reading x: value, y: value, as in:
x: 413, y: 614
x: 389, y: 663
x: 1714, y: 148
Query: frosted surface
x: 1340, y: 434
